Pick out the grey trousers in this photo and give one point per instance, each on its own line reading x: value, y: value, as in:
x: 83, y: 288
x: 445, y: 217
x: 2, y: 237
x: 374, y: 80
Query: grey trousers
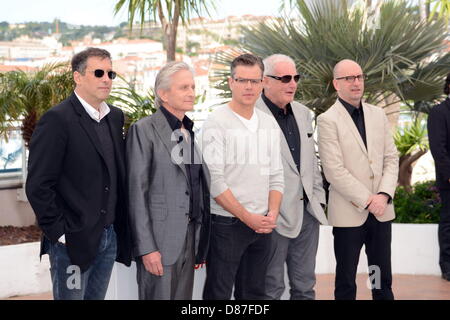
x: 177, y: 282
x: 299, y: 254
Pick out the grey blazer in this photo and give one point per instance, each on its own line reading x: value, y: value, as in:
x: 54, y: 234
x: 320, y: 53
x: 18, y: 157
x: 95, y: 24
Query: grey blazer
x: 158, y: 192
x: 290, y: 220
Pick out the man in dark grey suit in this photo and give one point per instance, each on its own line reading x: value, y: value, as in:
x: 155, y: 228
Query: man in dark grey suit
x: 168, y: 190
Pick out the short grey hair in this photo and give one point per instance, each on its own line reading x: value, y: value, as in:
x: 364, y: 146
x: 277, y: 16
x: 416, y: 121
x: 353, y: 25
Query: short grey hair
x: 271, y: 61
x: 164, y: 77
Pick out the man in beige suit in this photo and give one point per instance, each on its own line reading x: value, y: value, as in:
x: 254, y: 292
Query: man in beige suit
x: 360, y: 162
x: 296, y: 237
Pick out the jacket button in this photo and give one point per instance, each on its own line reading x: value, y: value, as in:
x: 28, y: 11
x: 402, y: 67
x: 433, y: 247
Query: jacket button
x: 301, y: 199
x: 103, y: 211
x: 371, y: 177
x: 106, y: 189
x: 186, y: 193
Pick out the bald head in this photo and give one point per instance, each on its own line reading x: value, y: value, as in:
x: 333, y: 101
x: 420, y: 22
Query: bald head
x: 349, y: 81
x: 342, y: 66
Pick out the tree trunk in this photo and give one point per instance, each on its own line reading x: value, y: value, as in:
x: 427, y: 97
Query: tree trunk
x: 28, y: 125
x: 170, y: 31
x: 406, y: 166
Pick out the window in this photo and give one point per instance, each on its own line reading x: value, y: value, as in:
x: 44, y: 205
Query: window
x: 11, y: 160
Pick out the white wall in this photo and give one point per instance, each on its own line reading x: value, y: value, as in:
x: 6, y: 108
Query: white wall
x: 13, y: 212
x: 414, y: 251
x: 21, y: 272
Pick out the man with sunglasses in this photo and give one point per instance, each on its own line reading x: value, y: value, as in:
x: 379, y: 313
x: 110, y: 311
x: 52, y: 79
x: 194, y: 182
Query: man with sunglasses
x: 242, y: 149
x: 76, y: 183
x: 360, y: 161
x: 296, y: 237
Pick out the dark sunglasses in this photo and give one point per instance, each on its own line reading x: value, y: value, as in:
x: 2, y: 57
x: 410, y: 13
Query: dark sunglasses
x: 99, y: 73
x: 286, y: 79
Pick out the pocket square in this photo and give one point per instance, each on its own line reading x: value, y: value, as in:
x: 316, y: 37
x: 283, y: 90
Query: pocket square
x: 309, y: 135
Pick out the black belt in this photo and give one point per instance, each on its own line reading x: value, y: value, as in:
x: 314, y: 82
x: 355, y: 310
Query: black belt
x: 218, y: 218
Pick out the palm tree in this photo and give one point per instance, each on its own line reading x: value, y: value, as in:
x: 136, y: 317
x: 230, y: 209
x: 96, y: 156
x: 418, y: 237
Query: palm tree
x: 169, y: 13
x: 134, y: 105
x: 400, y: 52
x: 411, y: 143
x: 24, y: 97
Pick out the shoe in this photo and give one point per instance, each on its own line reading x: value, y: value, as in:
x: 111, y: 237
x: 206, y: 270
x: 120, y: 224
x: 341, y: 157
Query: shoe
x: 446, y: 276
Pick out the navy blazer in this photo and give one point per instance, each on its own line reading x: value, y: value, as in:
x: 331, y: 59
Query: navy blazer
x: 68, y: 179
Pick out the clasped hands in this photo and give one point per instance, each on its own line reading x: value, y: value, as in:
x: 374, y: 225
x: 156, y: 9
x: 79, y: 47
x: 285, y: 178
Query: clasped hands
x: 377, y: 204
x: 260, y: 223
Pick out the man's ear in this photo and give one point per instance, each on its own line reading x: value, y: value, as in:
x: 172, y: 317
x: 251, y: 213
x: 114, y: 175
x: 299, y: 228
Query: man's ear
x: 77, y: 77
x: 163, y: 94
x: 230, y: 81
x: 335, y: 84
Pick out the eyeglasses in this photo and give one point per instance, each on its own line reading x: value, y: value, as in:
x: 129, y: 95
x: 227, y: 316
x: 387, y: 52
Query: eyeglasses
x: 243, y: 81
x: 360, y: 77
x: 286, y: 78
x: 99, y: 73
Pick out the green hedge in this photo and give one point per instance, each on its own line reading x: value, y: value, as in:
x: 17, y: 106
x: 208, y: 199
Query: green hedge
x: 422, y: 205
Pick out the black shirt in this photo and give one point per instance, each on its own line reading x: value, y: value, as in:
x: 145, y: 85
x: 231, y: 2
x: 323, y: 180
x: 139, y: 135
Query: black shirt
x: 290, y: 130
x: 357, y: 115
x: 289, y: 126
x: 193, y: 169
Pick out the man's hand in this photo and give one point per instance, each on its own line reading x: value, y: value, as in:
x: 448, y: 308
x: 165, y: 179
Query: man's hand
x: 152, y: 263
x: 377, y: 204
x: 259, y: 223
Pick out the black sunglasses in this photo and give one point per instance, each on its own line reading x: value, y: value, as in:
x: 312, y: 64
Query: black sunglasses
x: 99, y: 73
x: 286, y: 79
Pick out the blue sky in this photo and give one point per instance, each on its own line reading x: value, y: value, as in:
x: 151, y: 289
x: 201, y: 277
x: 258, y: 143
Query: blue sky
x: 100, y: 12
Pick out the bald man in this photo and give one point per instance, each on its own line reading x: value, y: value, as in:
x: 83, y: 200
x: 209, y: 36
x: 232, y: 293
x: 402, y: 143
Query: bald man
x: 360, y: 161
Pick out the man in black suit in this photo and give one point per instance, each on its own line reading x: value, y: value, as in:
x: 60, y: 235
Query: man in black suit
x: 76, y: 183
x: 439, y: 137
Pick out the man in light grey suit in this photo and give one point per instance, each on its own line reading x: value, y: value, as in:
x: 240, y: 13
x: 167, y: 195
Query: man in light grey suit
x: 296, y: 237
x: 168, y: 190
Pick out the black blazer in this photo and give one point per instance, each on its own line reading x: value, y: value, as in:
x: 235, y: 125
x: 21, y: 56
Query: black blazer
x: 439, y: 138
x: 68, y: 178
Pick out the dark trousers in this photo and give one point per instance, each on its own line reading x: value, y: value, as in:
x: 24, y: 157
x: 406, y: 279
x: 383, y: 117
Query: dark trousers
x: 444, y: 232
x: 238, y: 256
x: 348, y: 241
x: 177, y: 281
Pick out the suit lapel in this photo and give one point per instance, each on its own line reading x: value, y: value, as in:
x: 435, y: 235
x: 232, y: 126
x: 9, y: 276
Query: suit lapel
x: 285, y: 151
x: 117, y: 137
x: 347, y: 119
x: 302, y: 125
x: 168, y: 138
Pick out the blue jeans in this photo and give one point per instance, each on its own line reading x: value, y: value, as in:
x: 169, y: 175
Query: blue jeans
x: 70, y: 284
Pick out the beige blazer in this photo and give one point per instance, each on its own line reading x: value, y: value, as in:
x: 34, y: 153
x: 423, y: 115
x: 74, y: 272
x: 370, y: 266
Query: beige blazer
x: 309, y: 178
x: 355, y: 173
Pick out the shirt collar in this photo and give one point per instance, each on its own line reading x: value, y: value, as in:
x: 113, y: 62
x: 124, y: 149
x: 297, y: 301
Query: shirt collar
x: 276, y: 111
x: 350, y: 108
x: 175, y: 123
x: 92, y: 112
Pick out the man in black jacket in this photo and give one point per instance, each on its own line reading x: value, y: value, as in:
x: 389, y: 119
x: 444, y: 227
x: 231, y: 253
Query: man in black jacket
x: 439, y: 137
x: 76, y: 183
